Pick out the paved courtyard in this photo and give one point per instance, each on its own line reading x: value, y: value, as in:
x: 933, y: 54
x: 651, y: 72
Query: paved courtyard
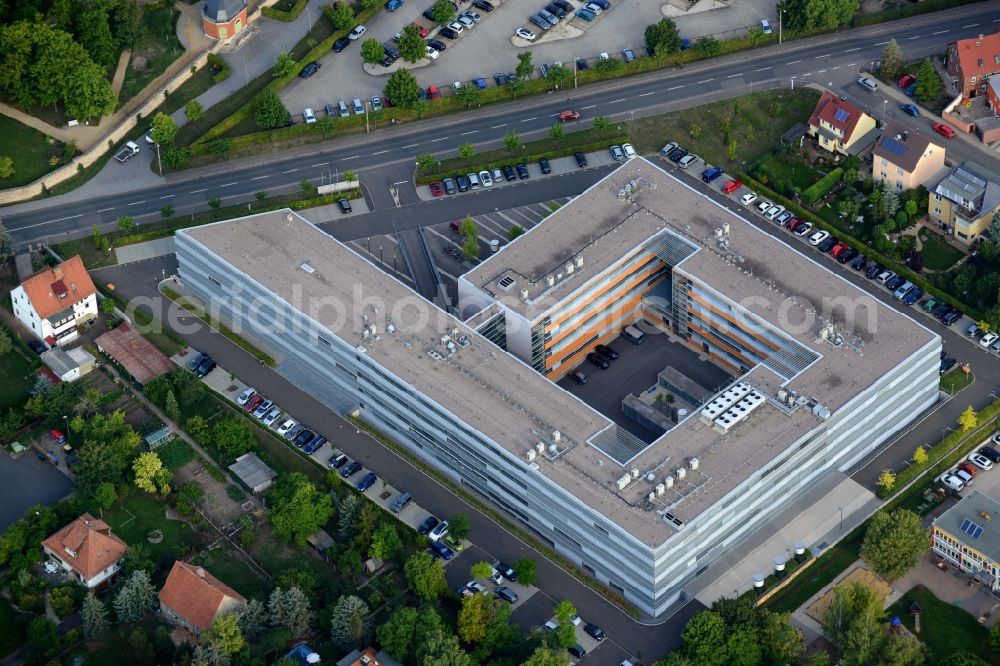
x: 28, y: 481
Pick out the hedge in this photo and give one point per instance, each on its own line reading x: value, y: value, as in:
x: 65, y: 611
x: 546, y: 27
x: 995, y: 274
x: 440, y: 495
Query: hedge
x: 923, y: 7
x: 818, y: 190
x: 282, y: 15
x: 868, y: 251
x: 224, y: 70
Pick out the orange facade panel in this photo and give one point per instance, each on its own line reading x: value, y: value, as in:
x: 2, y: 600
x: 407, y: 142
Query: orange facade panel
x: 562, y: 316
x: 732, y: 321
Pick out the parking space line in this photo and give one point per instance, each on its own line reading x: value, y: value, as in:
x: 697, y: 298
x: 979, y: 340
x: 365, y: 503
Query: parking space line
x: 675, y: 88
x: 939, y: 32
x: 825, y: 55
x: 197, y: 191
x: 821, y: 71
x: 912, y: 38
x: 706, y: 80
x: 134, y: 203
x: 528, y: 120
x: 852, y: 50
x: 793, y: 62
x: 733, y: 76
x: 228, y: 184
x: 352, y: 157
x: 764, y: 69
x: 412, y: 145
x: 319, y: 164
x: 971, y: 25
x: 881, y: 43
x: 105, y: 210
x: 168, y: 196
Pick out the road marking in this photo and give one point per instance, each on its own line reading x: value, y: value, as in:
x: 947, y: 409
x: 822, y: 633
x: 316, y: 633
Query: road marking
x: 852, y: 50
x: 647, y: 94
x: 793, y: 62
x: 499, y: 126
x: 912, y: 38
x: 674, y: 88
x: 733, y: 76
x: 169, y: 196
x: 821, y: 71
x: 881, y: 43
x: 402, y: 182
x: 258, y: 177
x: 197, y: 191
x: 825, y: 55
x: 381, y: 152
x: 321, y: 164
x: 444, y: 138
x: 411, y: 145
x: 764, y: 69
x: 850, y: 64
x: 939, y: 32
x: 528, y: 120
x: 352, y: 157
x: 290, y: 171
x: 134, y: 203
x: 462, y: 134
x: 971, y: 25
x: 105, y: 210
x: 589, y: 107
x: 615, y: 101
x: 228, y: 184
x: 71, y: 217
x: 837, y: 67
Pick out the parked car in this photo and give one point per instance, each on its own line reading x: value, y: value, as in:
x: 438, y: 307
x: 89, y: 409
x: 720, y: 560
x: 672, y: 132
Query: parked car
x: 449, y: 186
x: 400, y: 502
x: 944, y: 130
x: 967, y: 478
x: 544, y: 165
x: 846, y: 255
x: 819, y: 237
x: 577, y: 651
x: 345, y: 205
x: 585, y: 14
x: 505, y: 571
x: 687, y: 161
x: 539, y: 22
x: 463, y: 183
x: 803, y: 228
x: 748, y: 198
x: 286, y: 427
x: 429, y: 523
x: 244, y: 397
x: 667, y: 149
x: 629, y: 150
x: 981, y: 461
x: 525, y: 34
x: 303, y: 437
x: 607, y: 352
x: 952, y: 481
x: 449, y: 32
x: 627, y: 54
x: 357, y: 32
x: 441, y: 550
x: 350, y: 469
x: 617, y: 153
x: 483, y: 5
x: 393, y: 5
x: 437, y: 45
x: 598, y: 360
x: 337, y: 461
x: 508, y: 173
x: 906, y: 80
x: 314, y: 445
x: 913, y: 296
x: 909, y: 109
x: 522, y: 171
x: 766, y: 26
x: 951, y: 317
x: 505, y: 593
x: 710, y: 174
x: 579, y: 377
x: 676, y: 154
x: 205, y: 367
x: 988, y: 339
x: 271, y: 416
x: 437, y: 189
x: 438, y: 531
x: 309, y: 70
x: 594, y: 631
x: 581, y: 160
x: 990, y: 452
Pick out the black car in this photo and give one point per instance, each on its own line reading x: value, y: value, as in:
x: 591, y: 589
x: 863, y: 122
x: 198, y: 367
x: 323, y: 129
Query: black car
x: 600, y: 361
x: 437, y: 44
x: 544, y: 165
x: 860, y: 263
x: 341, y: 44
x: 594, y: 631
x: 563, y: 4
x: 304, y: 437
x: 947, y: 363
x: 874, y: 270
x: 951, y: 317
x: 676, y: 154
x: 450, y: 33
x: 894, y: 283
x: 522, y: 171
x: 509, y: 173
x: 193, y: 365
x: 607, y: 352
x: 350, y: 469
x: 847, y: 255
x: 484, y: 5
x: 463, y: 183
x: 449, y: 186
x: 553, y: 8
x: 429, y: 14
x: 577, y: 651
x: 205, y: 367
x: 991, y: 453
x: 505, y: 571
x: 500, y: 79
x: 941, y: 310
x: 430, y: 522
x: 506, y: 594
x: 581, y: 160
x: 827, y: 244
x: 538, y: 21
x: 315, y: 444
x: 337, y: 461
x: 581, y: 64
x: 366, y: 482
x: 36, y: 346
x: 579, y: 377
x: 309, y: 70
x: 345, y: 206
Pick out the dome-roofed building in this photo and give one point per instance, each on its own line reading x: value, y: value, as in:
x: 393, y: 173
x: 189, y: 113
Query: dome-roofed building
x: 224, y: 19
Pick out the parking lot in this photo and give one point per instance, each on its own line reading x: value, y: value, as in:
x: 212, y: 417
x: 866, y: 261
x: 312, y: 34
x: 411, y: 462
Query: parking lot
x: 487, y: 48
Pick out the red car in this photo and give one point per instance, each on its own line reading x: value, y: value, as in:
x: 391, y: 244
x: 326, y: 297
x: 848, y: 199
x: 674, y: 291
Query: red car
x: 253, y: 403
x: 433, y: 92
x: 567, y: 116
x: 838, y: 248
x: 437, y: 189
x: 969, y: 468
x: 423, y: 31
x: 944, y: 130
x: 731, y: 186
x: 906, y: 80
x: 792, y: 223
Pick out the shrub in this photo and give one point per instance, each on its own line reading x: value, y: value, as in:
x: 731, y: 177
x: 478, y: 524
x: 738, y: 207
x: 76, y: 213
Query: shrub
x: 221, y: 65
x: 285, y: 15
x: 235, y: 493
x: 820, y: 188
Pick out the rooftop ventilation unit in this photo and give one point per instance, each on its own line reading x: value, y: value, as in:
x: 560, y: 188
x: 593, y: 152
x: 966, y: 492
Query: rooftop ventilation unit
x: 530, y: 455
x: 578, y: 262
x: 635, y: 473
x: 668, y: 482
x: 569, y: 267
x: 307, y: 267
x: 505, y: 283
x: 660, y: 489
x: 650, y: 477
x: 550, y: 280
x: 739, y: 412
x: 623, y: 482
x: 651, y: 496
x: 724, y: 401
x: 524, y: 294
x: 540, y: 447
x: 681, y: 472
x: 553, y: 450
x: 556, y: 436
x: 693, y: 464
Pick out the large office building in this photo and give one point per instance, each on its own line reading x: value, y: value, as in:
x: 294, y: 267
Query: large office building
x: 823, y: 373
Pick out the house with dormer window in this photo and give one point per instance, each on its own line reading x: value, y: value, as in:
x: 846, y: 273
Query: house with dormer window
x: 87, y: 550
x: 55, y: 301
x: 971, y: 62
x: 840, y: 127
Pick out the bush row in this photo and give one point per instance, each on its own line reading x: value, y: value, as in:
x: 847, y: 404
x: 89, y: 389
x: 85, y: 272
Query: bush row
x: 818, y: 190
x: 906, y: 11
x: 865, y: 249
x: 224, y: 70
x: 283, y: 15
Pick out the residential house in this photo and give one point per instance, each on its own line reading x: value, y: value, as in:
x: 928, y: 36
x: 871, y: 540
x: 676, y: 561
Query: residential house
x: 224, y: 19
x: 192, y: 598
x: 367, y: 657
x: 88, y: 550
x: 972, y: 61
x: 840, y: 127
x: 54, y: 301
x: 904, y: 159
x: 964, y: 201
x: 964, y: 536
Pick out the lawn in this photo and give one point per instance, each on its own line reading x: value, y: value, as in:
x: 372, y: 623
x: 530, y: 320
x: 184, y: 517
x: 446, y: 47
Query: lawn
x: 17, y: 379
x: 798, y: 173
x: 944, y: 628
x: 13, y: 627
x: 30, y: 150
x: 956, y: 380
x: 770, y: 113
x: 159, y: 46
x: 176, y: 454
x: 828, y: 566
x: 135, y: 515
x: 232, y: 569
x: 938, y: 254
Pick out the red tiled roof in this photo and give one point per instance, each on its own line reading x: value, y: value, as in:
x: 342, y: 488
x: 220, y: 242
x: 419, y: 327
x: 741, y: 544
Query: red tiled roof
x: 195, y: 595
x: 69, y: 278
x: 91, y: 539
x: 136, y: 354
x: 987, y: 53
x: 827, y: 110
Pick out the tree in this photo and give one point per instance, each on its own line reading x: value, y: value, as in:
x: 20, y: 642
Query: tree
x: 886, y: 480
x: 920, y: 456
x: 893, y: 62
x: 468, y: 95
x: 349, y: 622
x: 95, y: 617
x: 396, y: 636
x: 348, y: 513
x: 136, y: 595
x: 814, y: 14
x: 602, y: 124
x: 326, y: 125
x: 559, y: 75
x: 167, y: 211
x: 481, y: 570
x: 443, y: 12
x: 755, y: 34
x: 298, y: 508
x: 233, y: 436
x: 964, y: 659
x: 42, y: 635
x: 565, y: 635
x: 524, y: 67
x: 343, y: 15
x: 170, y: 406
x: 226, y: 632
x: 556, y: 132
x: 543, y: 656
x: 470, y: 250
x: 403, y: 89
x: 467, y: 151
x: 663, y: 34
x: 290, y: 609
x: 386, y: 543
x: 426, y: 161
x: 743, y: 646
x: 108, y: 446
x: 512, y: 141
x: 458, y: 524
x: 62, y: 601
x: 221, y: 147
x: 138, y: 558
x: 704, y: 639
x: 928, y: 82
x: 781, y: 643
x: 515, y: 87
x: 901, y: 650
x: 442, y: 649
x: 252, y: 618
x: 193, y: 110
x: 284, y: 65
x: 853, y: 623
x: 893, y: 542
x: 125, y: 223
x: 411, y: 44
x: 6, y: 167
x: 708, y: 47
x: 425, y: 576
x: 270, y: 113
x: 164, y: 130
x: 150, y: 474
x: 524, y: 569
x: 372, y: 52
x: 732, y: 150
x: 105, y: 495
x: 968, y: 419
x: 564, y: 611
x: 515, y: 231
x: 474, y: 616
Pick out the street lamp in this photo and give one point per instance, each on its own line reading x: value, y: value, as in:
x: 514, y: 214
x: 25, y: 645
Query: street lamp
x: 885, y: 103
x: 781, y: 12
x: 246, y: 79
x: 574, y: 71
x: 841, y: 518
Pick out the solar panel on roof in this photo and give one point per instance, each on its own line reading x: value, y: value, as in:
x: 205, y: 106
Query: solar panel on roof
x: 970, y: 528
x: 840, y: 116
x: 893, y: 146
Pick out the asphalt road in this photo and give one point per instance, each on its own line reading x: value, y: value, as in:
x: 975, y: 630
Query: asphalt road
x: 386, y: 156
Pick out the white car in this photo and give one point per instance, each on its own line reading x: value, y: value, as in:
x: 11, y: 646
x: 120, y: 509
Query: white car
x: 271, y: 416
x: 286, y: 427
x: 524, y: 33
x: 457, y: 27
x: 818, y: 237
x: 498, y: 176
x: 496, y: 577
x: 485, y: 179
x: 766, y: 26
x: 439, y: 531
x: 309, y: 116
x: 748, y: 198
x: 774, y: 211
x: 244, y: 398
x: 357, y: 32
x: 988, y: 339
x: 604, y: 56
x: 980, y: 461
x: 472, y: 15
x: 763, y: 206
x: 476, y: 586
x: 951, y: 481
x: 594, y: 9
x: 467, y: 21
x: 629, y: 150
x: 687, y: 160
x: 432, y: 53
x: 803, y: 229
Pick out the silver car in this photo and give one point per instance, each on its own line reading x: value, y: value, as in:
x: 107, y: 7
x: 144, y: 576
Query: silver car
x: 617, y: 153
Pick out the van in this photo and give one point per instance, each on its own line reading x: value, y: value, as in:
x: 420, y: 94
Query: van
x: 400, y: 502
x: 633, y: 335
x: 342, y: 108
x: 868, y: 84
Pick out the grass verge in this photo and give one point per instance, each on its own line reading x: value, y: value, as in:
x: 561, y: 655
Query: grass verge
x: 945, y: 629
x: 956, y: 380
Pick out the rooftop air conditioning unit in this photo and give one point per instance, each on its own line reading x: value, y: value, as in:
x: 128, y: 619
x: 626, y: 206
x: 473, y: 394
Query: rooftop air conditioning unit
x: 681, y: 472
x: 540, y: 447
x: 556, y: 436
x: 579, y: 262
x: 668, y: 482
x: 650, y: 477
x: 553, y: 449
x: 524, y: 294
x: 623, y: 482
x: 693, y: 464
x: 569, y: 267
x: 635, y: 473
x: 550, y: 280
x: 530, y: 455
x: 660, y: 489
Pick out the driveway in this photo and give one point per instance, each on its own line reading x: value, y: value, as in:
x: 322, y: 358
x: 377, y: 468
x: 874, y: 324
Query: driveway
x: 26, y: 482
